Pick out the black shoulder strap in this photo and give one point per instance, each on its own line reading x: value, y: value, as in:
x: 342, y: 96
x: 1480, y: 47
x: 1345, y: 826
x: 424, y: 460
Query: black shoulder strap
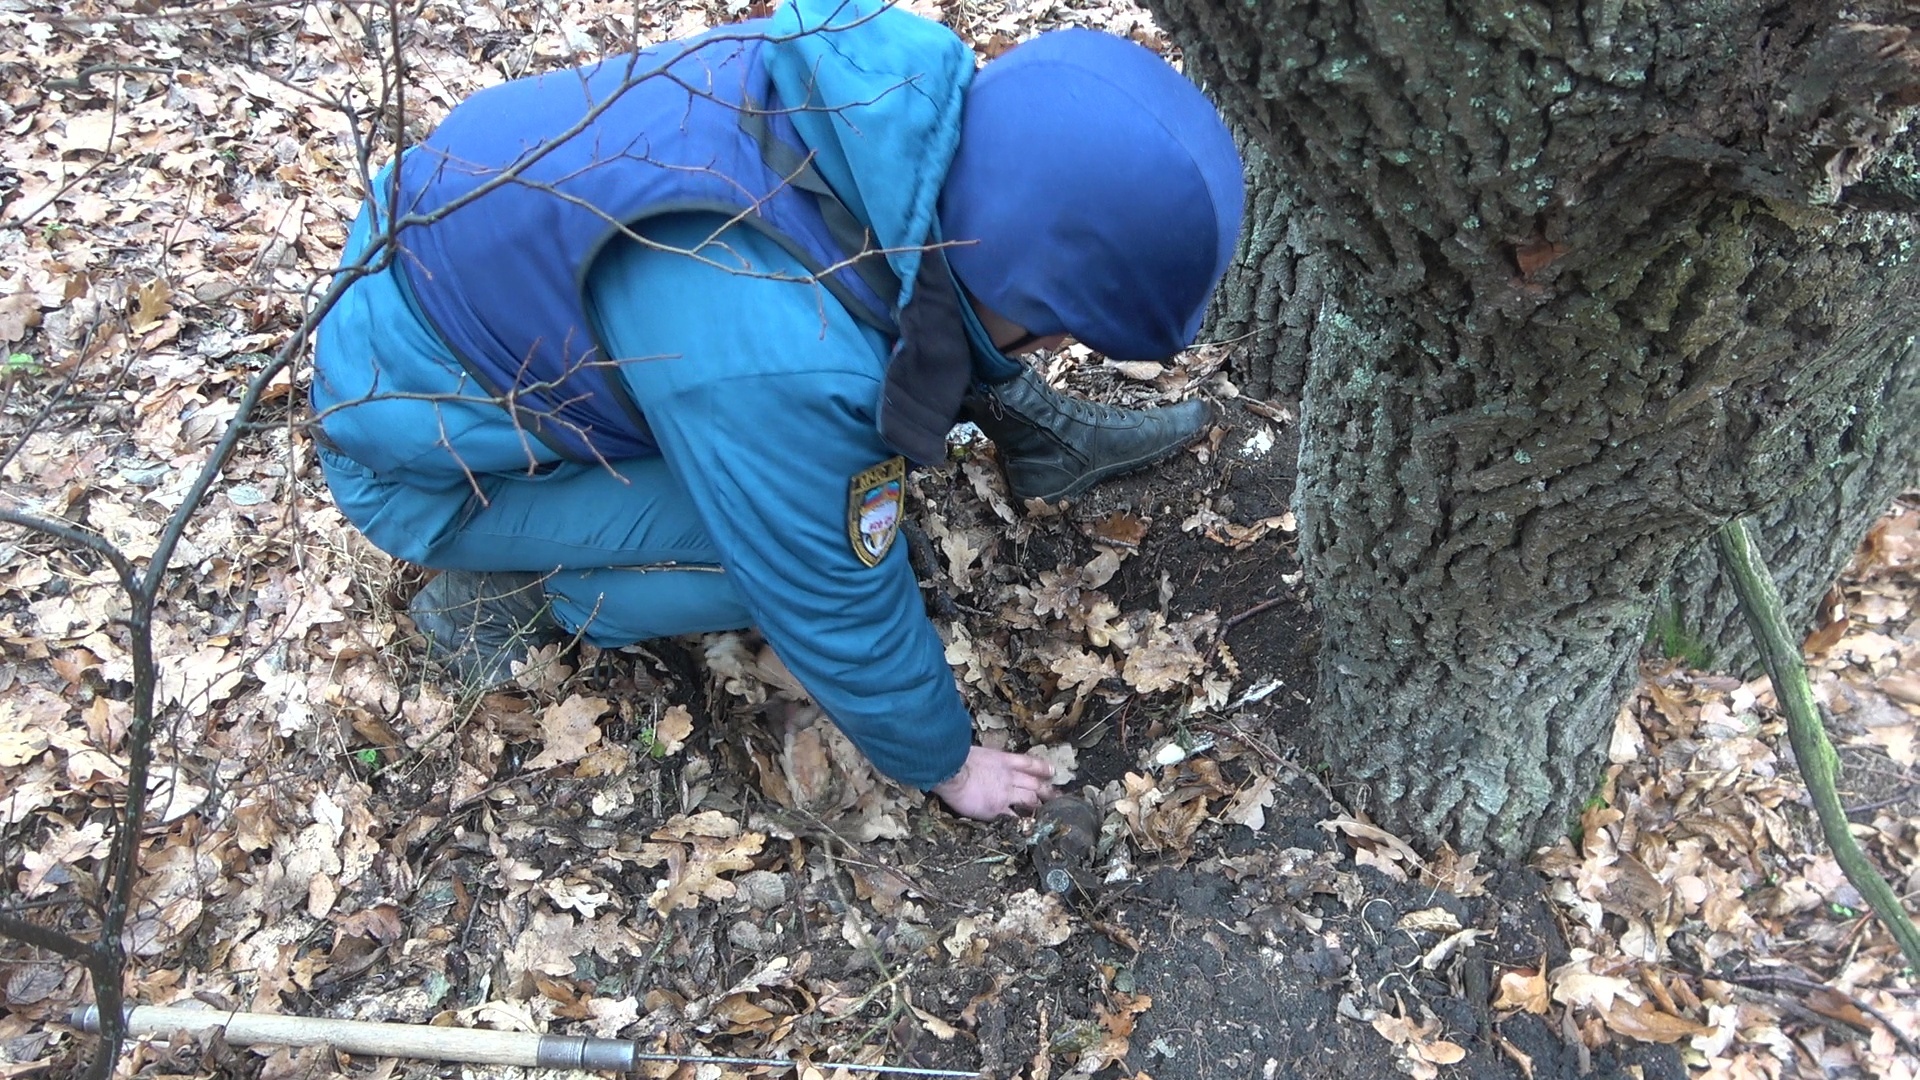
x: 854, y: 240
x: 931, y: 366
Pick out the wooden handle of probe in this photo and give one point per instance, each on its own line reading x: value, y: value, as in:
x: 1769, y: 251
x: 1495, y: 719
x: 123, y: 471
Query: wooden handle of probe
x: 475, y: 1045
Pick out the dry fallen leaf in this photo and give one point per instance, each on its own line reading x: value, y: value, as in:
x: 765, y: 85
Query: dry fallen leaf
x: 1454, y: 872
x: 1388, y: 849
x: 1248, y: 807
x: 935, y: 1026
x: 1642, y: 1021
x: 695, y: 866
x: 1452, y: 943
x: 1435, y: 919
x: 1903, y: 687
x: 1120, y: 529
x: 1577, y: 983
x: 67, y: 847
x: 1171, y: 655
x: 671, y: 731
x: 1064, y: 757
x: 1523, y: 989
x: 569, y: 730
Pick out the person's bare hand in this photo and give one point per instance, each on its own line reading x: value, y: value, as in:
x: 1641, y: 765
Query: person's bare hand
x: 995, y: 783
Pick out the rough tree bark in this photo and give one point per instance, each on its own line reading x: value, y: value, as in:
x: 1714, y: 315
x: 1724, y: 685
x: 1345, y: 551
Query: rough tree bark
x: 1807, y: 539
x: 1582, y: 283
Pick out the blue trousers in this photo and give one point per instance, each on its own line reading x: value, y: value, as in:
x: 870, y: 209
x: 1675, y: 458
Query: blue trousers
x: 636, y: 561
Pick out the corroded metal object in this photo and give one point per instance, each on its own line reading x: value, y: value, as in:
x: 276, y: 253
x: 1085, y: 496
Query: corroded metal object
x: 1063, y: 845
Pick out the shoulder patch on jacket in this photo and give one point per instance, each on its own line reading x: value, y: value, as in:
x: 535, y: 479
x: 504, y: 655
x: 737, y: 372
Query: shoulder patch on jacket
x: 876, y: 498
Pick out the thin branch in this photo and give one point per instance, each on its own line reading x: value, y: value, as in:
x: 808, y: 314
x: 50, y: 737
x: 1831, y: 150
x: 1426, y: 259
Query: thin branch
x: 79, y: 79
x: 1777, y: 983
x: 60, y: 530
x: 1264, y: 605
x: 1819, y: 764
x: 51, y: 940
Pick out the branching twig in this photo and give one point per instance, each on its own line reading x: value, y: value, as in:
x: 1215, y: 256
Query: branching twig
x: 51, y: 940
x: 123, y: 566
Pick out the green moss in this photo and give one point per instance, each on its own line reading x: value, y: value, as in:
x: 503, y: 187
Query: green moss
x: 1670, y: 636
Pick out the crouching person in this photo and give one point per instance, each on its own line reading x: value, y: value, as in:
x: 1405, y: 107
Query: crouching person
x: 661, y: 335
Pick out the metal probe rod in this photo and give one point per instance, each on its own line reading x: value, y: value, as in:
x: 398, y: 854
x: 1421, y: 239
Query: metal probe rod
x: 473, y: 1045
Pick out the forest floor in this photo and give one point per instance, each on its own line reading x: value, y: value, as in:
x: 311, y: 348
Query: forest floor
x: 662, y: 843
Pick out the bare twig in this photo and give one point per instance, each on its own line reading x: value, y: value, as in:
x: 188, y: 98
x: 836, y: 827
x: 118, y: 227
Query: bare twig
x: 1264, y: 605
x: 1812, y: 752
x: 1778, y: 983
x: 79, y: 79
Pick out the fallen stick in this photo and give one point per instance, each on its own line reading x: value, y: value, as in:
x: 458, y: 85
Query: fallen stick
x: 472, y: 1045
x: 1812, y: 751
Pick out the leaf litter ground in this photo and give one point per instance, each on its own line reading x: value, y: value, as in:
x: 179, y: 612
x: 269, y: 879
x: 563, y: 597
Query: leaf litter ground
x: 667, y: 843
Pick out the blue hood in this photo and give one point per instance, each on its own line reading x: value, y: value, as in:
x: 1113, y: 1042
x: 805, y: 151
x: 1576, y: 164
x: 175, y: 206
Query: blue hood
x: 1096, y: 192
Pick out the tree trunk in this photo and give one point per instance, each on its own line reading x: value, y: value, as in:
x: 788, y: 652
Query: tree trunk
x: 1585, y: 291
x: 1806, y: 539
x: 1267, y: 303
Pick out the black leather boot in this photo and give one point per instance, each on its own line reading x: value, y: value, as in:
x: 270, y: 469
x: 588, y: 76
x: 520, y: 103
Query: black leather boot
x: 1054, y: 447
x: 478, y: 625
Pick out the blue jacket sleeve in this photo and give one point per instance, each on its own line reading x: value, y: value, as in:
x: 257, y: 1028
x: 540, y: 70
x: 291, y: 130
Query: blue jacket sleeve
x: 761, y: 393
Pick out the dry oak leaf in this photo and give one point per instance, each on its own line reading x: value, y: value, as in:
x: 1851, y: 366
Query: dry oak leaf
x: 935, y: 1026
x: 552, y: 943
x: 569, y: 730
x: 1078, y: 668
x: 1452, y: 871
x: 1576, y: 983
x: 66, y: 847
x: 1249, y: 806
x: 19, y: 742
x: 1117, y: 1023
x: 19, y: 312
x: 1902, y: 687
x: 1064, y: 757
x: 1142, y: 805
x: 1120, y: 529
x: 1375, y: 846
x: 962, y: 549
x: 1435, y: 919
x: 1525, y: 990
x: 697, y: 849
x: 671, y: 731
x: 1034, y: 918
x: 1138, y: 370
x: 87, y: 131
x: 1224, y: 532
x: 1419, y: 1049
x: 1170, y: 654
x: 1452, y: 943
